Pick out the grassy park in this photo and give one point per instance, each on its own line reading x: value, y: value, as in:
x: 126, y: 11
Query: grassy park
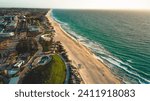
x: 52, y: 73
x: 56, y: 71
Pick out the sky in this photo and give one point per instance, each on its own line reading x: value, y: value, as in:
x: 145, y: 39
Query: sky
x: 79, y: 4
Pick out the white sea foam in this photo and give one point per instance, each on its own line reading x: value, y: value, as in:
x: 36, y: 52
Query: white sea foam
x: 118, y: 64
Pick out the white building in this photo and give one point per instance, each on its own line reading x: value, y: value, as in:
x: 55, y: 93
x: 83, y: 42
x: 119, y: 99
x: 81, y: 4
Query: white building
x: 19, y: 63
x: 34, y: 29
x: 46, y: 37
x: 6, y: 34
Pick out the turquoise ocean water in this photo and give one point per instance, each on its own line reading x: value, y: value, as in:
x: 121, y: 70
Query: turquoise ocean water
x: 121, y: 39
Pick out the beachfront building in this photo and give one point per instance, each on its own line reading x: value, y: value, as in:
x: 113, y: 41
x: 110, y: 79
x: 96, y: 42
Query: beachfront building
x: 34, y: 29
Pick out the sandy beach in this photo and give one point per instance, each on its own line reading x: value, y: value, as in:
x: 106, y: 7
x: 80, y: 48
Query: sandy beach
x: 92, y: 70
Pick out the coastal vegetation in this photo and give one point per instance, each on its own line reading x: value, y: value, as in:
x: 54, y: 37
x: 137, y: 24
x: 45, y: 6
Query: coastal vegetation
x: 46, y: 44
x: 26, y: 45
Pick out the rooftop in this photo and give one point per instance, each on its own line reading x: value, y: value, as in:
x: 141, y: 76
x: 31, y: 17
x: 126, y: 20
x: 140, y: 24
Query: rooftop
x: 12, y: 24
x: 6, y: 34
x: 34, y: 28
x: 46, y: 37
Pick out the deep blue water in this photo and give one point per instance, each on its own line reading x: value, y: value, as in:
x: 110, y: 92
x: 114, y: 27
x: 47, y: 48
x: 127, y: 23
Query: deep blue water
x: 121, y: 39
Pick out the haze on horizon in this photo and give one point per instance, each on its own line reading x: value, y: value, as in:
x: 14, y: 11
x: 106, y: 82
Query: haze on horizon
x: 79, y: 4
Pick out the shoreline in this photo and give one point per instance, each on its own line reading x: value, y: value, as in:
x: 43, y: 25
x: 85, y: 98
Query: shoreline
x: 93, y: 70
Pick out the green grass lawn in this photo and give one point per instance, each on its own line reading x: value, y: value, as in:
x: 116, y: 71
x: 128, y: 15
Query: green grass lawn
x: 56, y: 71
x: 52, y: 73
